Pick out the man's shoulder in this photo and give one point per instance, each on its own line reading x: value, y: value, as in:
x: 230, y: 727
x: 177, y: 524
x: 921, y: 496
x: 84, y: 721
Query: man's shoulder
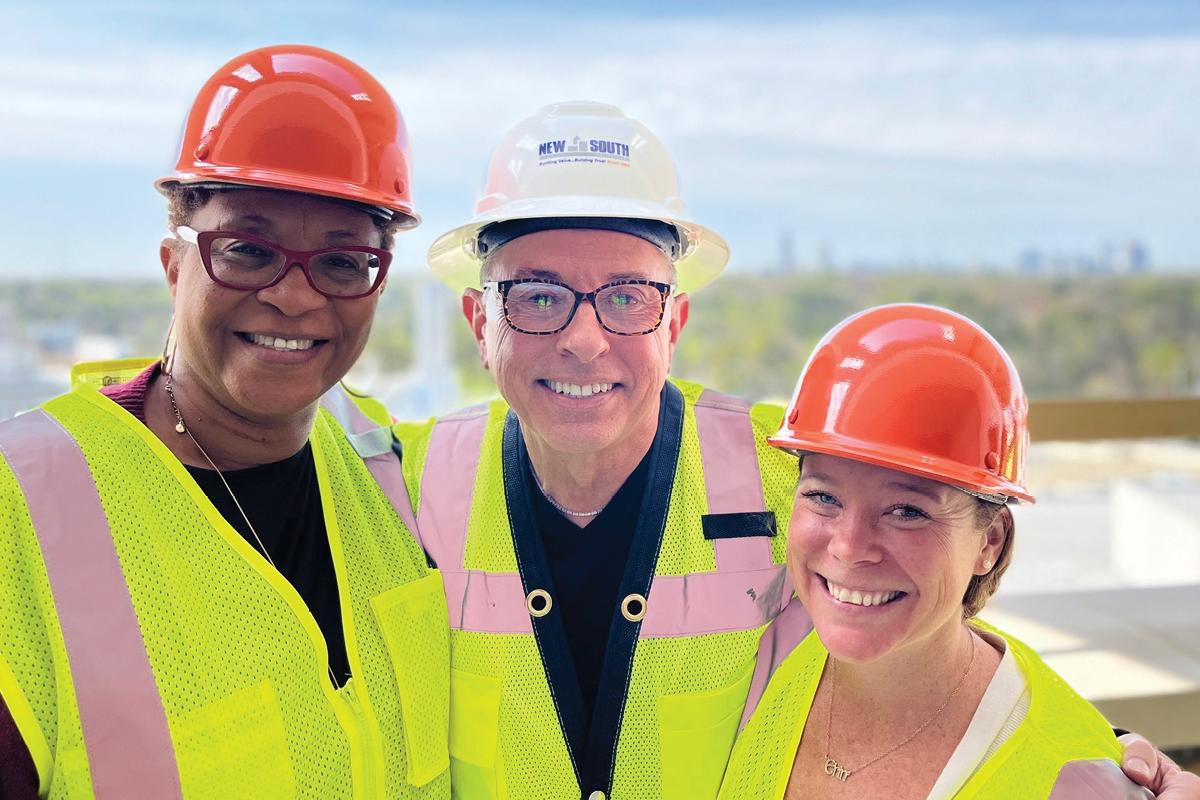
x: 414, y: 438
x: 690, y: 390
x: 766, y: 416
x: 412, y: 434
x: 409, y: 431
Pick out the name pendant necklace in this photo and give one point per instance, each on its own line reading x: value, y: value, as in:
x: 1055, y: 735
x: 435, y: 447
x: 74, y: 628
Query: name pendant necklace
x: 181, y: 428
x: 838, y: 772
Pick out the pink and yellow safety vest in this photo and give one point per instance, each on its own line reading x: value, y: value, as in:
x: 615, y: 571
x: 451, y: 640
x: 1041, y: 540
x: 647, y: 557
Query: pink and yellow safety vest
x: 704, y: 577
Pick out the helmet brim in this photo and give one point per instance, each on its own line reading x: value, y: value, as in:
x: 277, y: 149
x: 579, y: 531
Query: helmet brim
x: 903, y: 460
x: 453, y: 259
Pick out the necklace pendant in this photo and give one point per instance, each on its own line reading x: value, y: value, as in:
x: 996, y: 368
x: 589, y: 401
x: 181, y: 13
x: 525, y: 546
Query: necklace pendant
x: 179, y: 428
x: 835, y: 770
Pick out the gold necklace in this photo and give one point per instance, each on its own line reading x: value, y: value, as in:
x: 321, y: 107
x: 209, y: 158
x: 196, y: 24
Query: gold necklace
x: 181, y: 428
x: 835, y: 770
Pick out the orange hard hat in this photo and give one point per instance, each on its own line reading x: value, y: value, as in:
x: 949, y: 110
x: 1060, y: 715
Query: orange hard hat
x: 303, y: 119
x: 917, y: 389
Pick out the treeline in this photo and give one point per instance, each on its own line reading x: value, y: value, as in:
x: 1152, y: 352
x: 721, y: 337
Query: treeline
x: 1135, y: 336
x: 136, y: 312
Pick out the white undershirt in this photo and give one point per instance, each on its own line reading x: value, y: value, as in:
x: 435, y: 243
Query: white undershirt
x: 1001, y: 711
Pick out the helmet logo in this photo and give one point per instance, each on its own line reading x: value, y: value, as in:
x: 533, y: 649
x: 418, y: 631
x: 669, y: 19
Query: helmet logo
x: 578, y: 150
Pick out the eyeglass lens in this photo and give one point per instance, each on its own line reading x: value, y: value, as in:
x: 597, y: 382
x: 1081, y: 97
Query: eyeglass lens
x: 543, y: 307
x: 240, y: 262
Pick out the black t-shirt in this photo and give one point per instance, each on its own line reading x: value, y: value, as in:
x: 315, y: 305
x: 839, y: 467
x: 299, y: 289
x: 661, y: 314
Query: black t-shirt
x: 586, y: 567
x: 283, y: 502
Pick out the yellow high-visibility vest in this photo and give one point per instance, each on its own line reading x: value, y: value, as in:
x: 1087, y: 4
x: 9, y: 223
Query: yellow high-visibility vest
x: 147, y: 650
x: 1063, y: 749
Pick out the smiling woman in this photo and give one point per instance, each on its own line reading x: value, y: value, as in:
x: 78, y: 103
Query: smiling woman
x: 235, y: 604
x: 910, y: 422
x: 256, y: 337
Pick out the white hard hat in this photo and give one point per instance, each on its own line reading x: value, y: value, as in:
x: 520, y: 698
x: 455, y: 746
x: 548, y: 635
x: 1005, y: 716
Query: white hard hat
x: 580, y: 159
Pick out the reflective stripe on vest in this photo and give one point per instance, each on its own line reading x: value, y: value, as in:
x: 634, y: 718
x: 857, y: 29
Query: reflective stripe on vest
x: 128, y: 741
x: 778, y: 641
x: 677, y: 605
x: 1087, y: 780
x: 727, y: 440
x: 373, y: 443
x: 478, y: 601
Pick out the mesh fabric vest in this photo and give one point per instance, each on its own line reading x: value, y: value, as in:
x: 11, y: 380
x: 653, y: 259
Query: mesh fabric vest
x: 1062, y: 734
x: 683, y: 683
x: 239, y: 663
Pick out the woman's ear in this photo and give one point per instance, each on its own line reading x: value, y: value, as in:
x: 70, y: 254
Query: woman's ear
x: 996, y: 535
x: 168, y: 254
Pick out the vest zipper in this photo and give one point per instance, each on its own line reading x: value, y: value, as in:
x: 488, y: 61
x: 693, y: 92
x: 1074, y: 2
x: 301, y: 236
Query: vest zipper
x: 365, y: 743
x: 365, y: 733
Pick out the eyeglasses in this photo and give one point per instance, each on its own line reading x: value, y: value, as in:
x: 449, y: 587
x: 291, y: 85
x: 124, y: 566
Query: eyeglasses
x: 541, y: 307
x: 241, y: 261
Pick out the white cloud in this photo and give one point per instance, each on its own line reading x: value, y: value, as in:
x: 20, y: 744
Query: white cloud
x: 878, y: 119
x: 890, y: 86
x: 884, y: 89
x: 124, y: 109
x: 760, y: 114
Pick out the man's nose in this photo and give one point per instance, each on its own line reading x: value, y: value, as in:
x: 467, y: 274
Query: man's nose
x: 584, y: 337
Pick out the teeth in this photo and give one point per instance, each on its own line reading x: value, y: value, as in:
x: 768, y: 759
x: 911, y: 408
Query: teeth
x: 278, y: 343
x: 575, y: 390
x: 858, y: 598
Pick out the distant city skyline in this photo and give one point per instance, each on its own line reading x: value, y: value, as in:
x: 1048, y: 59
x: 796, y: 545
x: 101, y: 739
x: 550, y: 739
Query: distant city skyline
x: 942, y: 133
x: 1109, y: 257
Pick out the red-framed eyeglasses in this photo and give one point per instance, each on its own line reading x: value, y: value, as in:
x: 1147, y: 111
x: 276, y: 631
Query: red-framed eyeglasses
x: 240, y: 261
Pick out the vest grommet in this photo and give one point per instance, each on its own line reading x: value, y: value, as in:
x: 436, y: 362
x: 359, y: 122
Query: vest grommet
x: 597, y: 795
x: 538, y: 603
x: 633, y: 608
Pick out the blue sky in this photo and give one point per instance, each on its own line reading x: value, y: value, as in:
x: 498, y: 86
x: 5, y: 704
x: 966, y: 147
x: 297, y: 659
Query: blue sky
x: 932, y: 132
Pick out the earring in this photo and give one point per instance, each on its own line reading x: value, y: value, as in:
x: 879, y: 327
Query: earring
x: 987, y: 565
x: 170, y: 345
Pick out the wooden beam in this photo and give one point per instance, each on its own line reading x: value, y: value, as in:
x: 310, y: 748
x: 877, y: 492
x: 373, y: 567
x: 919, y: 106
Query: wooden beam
x: 1085, y: 420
